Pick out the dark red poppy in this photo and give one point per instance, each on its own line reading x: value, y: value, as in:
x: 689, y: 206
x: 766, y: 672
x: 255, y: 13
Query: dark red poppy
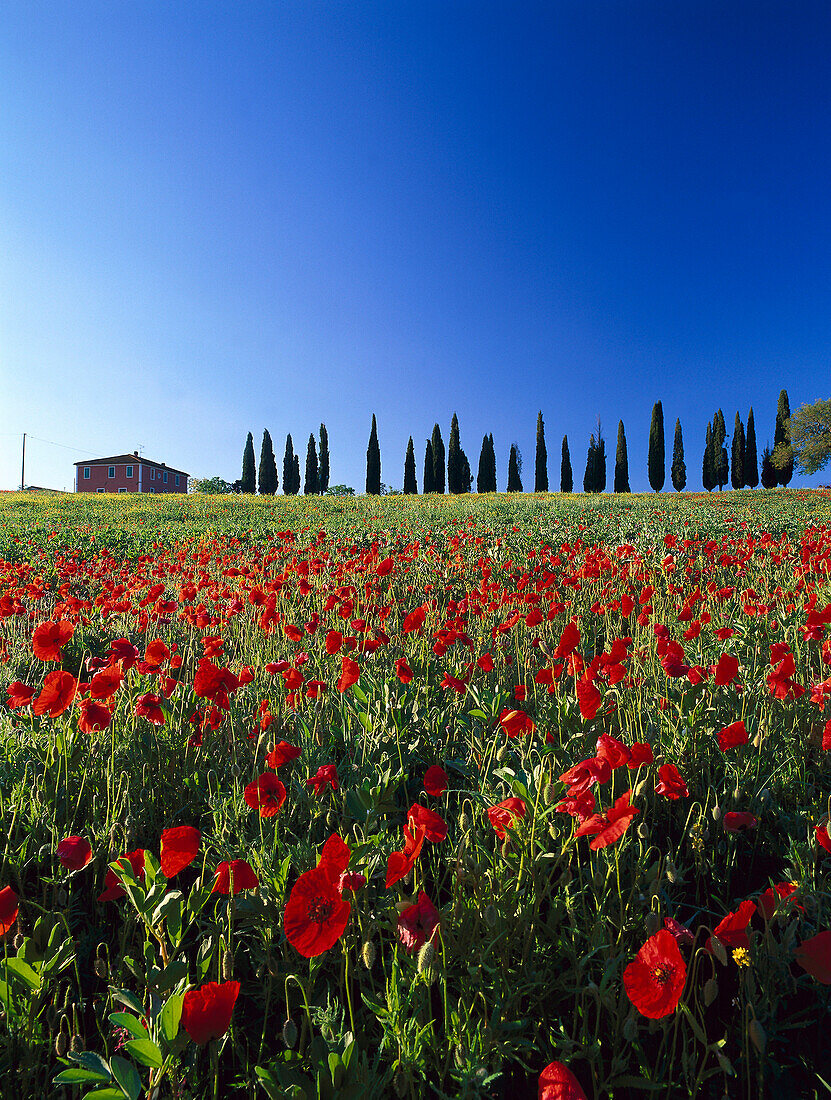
x: 403, y: 670
x: 112, y: 885
x: 8, y: 909
x: 435, y: 827
x: 149, y: 706
x: 732, y: 929
x: 333, y: 641
x: 20, y: 695
x: 124, y: 652
x: 725, y: 670
x: 74, y: 852
x: 56, y: 695
x: 93, y: 716
x: 783, y: 892
x: 106, y: 683
x: 671, y: 783
x: 414, y: 621
x: 417, y: 923
x: 589, y: 698
x: 735, y: 820
x: 399, y: 864
x: 266, y: 794
x: 48, y: 639
x: 680, y: 931
x: 282, y: 753
x: 435, y: 781
x: 732, y: 735
x: 609, y: 827
x: 814, y: 956
x: 640, y: 753
x: 350, y: 674
x: 485, y: 662
x: 516, y: 722
x: 821, y: 833
x: 179, y: 846
x: 157, y: 653
x: 326, y: 775
x: 505, y: 815
x: 557, y: 1082
x: 207, y: 1010
x: 242, y: 874
x: 316, y: 913
x: 654, y: 980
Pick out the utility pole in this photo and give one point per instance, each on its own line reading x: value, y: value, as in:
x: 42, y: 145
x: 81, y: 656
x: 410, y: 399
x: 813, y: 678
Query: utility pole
x: 23, y: 465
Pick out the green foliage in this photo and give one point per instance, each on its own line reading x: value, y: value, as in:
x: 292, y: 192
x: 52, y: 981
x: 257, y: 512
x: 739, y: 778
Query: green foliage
x: 656, y: 460
x: 541, y: 459
x: 267, y: 473
x: 514, y: 470
x: 621, y: 462
x: 311, y: 485
x: 594, y: 479
x: 679, y: 467
x: 769, y: 472
x: 783, y: 457
x: 438, y: 461
x: 708, y: 466
x: 807, y: 442
x: 248, y: 472
x: 288, y: 468
x: 429, y: 481
x: 410, y: 486
x: 751, y: 462
x: 323, y: 463
x: 373, y: 462
x: 210, y: 486
x: 454, y: 459
x: 566, y: 475
x: 737, y: 470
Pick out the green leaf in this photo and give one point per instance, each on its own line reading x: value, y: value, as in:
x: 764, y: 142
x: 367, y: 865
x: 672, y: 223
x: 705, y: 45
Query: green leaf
x: 170, y: 1016
x: 129, y: 999
x: 126, y: 1075
x: 107, y: 1094
x: 128, y: 1020
x: 145, y: 1052
x: 88, y: 1059
x: 365, y: 721
x: 171, y: 903
x: 23, y: 973
x: 76, y: 1076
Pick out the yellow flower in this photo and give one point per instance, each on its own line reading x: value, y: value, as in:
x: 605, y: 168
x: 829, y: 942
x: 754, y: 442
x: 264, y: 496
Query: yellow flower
x: 741, y: 956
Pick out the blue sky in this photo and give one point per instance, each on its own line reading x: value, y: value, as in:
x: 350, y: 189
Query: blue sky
x: 220, y: 218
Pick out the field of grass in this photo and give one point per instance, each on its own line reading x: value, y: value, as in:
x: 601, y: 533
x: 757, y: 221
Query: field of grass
x: 418, y: 796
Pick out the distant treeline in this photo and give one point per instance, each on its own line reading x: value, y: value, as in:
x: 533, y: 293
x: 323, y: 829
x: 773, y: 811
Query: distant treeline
x: 450, y: 470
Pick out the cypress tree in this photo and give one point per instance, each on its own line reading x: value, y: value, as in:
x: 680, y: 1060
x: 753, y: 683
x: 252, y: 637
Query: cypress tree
x: 288, y: 467
x: 679, y: 468
x: 514, y: 480
x: 590, y: 476
x: 566, y: 475
x: 465, y: 474
x: 656, y: 461
x: 720, y: 461
x: 782, y: 441
x: 429, y: 485
x: 541, y: 459
x: 751, y: 463
x: 248, y: 481
x: 323, y: 464
x: 770, y: 475
x: 483, y: 484
x: 373, y: 462
x: 708, y: 466
x: 410, y: 486
x: 267, y: 474
x: 312, y: 482
x: 295, y: 476
x: 492, y: 457
x: 621, y: 462
x: 438, y: 460
x: 737, y: 457
x: 454, y: 466
x: 600, y: 461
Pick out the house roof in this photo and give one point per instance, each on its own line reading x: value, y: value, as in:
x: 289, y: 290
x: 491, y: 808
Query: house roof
x: 130, y: 460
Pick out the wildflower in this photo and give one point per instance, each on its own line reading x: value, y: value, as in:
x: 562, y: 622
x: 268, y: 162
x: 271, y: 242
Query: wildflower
x: 325, y: 775
x: 316, y: 913
x: 814, y: 956
x: 350, y: 673
x: 281, y: 754
x: 112, y: 884
x: 266, y: 794
x: 403, y: 670
x: 515, y: 722
x: 741, y: 957
x: 654, y: 980
x: 240, y: 871
x: 8, y: 909
x: 207, y: 1010
x: 48, y: 639
x: 417, y: 924
x: 733, y: 821
x: 557, y: 1082
x: 20, y: 695
x: 56, y: 695
x: 731, y: 930
x: 435, y: 827
x: 74, y: 852
x: 399, y: 864
x: 435, y: 781
x: 671, y: 783
x: 732, y: 735
x: 504, y: 814
x: 609, y: 828
x: 179, y: 846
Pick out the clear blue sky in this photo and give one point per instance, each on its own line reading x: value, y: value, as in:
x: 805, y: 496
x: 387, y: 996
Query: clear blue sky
x: 219, y: 218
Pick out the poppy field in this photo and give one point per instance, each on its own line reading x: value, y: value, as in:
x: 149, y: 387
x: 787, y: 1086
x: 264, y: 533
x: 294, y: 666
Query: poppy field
x: 496, y: 796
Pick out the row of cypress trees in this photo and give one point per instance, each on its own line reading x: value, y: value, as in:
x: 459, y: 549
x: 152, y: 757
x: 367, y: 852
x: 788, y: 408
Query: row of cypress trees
x: 264, y: 479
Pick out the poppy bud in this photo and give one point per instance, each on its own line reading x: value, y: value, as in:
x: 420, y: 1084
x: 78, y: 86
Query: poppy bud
x: 464, y: 821
x: 719, y: 950
x: 45, y: 852
x: 710, y: 991
x: 61, y: 1044
x: 502, y: 753
x: 235, y: 771
x: 400, y: 1083
x: 630, y: 1029
x: 757, y: 1035
x: 61, y: 897
x: 289, y: 1033
x: 75, y: 1044
x: 100, y: 968
x: 653, y: 922
x: 643, y: 831
x: 672, y: 873
x: 737, y: 794
x: 368, y: 953
x: 227, y: 965
x: 491, y: 916
x: 18, y: 941
x: 716, y: 812
x: 425, y: 962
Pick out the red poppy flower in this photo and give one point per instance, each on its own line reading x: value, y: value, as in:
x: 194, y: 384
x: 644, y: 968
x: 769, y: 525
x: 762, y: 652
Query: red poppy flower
x: 609, y: 828
x: 654, y: 980
x: 179, y: 847
x: 325, y: 774
x: 733, y: 820
x: 207, y: 1010
x: 814, y: 956
x: 822, y: 836
x: 435, y: 781
x: 266, y: 794
x: 56, y: 695
x: 157, y: 653
x: 485, y: 662
x: 74, y: 852
x: 149, y: 706
x: 768, y: 902
x: 515, y: 722
x: 242, y: 874
x: 20, y: 695
x: 414, y: 621
x: 680, y: 931
x: 671, y: 783
x: 106, y: 683
x: 589, y: 698
x: 48, y: 639
x: 417, y: 923
x: 435, y: 827
x: 399, y: 864
x: 112, y: 885
x: 8, y: 909
x: 725, y: 670
x: 403, y: 670
x: 505, y: 814
x: 569, y: 641
x: 214, y: 683
x: 557, y: 1082
x: 93, y: 716
x: 732, y: 735
x: 640, y: 753
x: 316, y: 914
x: 732, y: 929
x: 281, y: 754
x: 333, y: 641
x: 124, y: 652
x: 350, y: 673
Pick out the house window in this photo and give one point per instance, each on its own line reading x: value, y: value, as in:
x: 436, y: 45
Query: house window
x: 111, y: 471
x: 177, y: 480
x: 122, y: 490
x: 153, y: 475
x: 99, y: 490
x: 129, y: 472
x: 86, y: 473
x: 165, y: 477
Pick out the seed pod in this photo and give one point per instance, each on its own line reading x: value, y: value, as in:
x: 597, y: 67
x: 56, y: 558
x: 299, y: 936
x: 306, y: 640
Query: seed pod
x: 289, y: 1033
x: 718, y: 949
x: 710, y: 991
x: 227, y: 965
x: 630, y: 1029
x: 757, y: 1036
x: 75, y: 1044
x: 653, y: 922
x: 100, y: 968
x: 61, y: 897
x: 672, y: 873
x: 643, y: 831
x: 464, y: 821
x: 45, y: 853
x: 426, y: 958
x: 502, y: 752
x: 716, y: 812
x: 400, y: 1084
x: 61, y: 1044
x: 235, y: 771
x: 18, y: 941
x: 368, y: 953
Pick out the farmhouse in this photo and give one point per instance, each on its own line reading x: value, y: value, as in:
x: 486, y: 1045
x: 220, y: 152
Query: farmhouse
x: 128, y: 474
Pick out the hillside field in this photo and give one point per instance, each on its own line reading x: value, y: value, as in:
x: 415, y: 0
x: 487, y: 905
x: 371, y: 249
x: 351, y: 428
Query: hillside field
x: 414, y: 797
